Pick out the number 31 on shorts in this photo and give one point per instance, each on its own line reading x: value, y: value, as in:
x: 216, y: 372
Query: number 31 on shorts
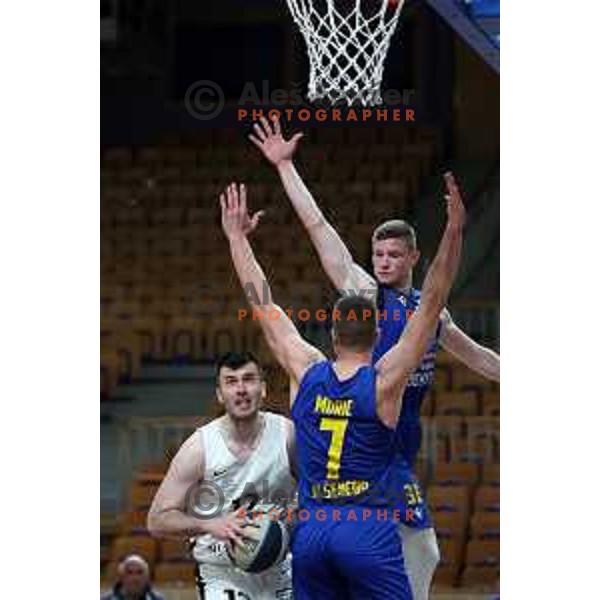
x: 413, y: 494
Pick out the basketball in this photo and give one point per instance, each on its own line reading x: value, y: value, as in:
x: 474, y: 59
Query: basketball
x: 265, y: 544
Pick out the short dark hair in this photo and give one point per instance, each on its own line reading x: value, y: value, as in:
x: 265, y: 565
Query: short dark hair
x: 396, y: 229
x: 355, y: 329
x: 235, y: 361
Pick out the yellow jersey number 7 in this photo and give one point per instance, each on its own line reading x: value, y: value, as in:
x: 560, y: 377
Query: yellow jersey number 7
x: 334, y: 456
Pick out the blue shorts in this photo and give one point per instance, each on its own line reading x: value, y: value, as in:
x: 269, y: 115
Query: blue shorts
x: 355, y: 560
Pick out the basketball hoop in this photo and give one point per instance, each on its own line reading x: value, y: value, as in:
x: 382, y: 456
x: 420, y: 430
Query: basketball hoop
x: 347, y: 42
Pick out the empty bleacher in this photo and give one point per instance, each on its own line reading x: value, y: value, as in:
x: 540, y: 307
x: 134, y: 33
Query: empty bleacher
x: 168, y: 293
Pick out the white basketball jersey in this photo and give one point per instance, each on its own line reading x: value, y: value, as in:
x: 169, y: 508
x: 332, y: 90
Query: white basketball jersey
x: 266, y: 472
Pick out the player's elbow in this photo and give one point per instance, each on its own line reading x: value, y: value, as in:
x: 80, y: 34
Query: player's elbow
x: 317, y: 225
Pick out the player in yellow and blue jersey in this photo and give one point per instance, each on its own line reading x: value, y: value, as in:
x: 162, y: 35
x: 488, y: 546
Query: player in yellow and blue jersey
x: 345, y: 412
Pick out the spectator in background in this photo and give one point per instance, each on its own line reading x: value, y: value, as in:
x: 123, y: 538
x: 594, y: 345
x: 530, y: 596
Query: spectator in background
x: 133, y: 581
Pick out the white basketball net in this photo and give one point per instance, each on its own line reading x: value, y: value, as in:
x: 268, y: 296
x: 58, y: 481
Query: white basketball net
x: 347, y: 43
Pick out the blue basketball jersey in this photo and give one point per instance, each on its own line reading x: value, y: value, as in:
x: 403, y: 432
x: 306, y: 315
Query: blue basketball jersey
x: 395, y: 308
x: 344, y: 450
x: 344, y: 457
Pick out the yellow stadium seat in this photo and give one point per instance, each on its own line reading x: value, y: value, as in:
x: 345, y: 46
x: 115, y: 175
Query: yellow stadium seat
x: 449, y: 500
x: 476, y: 450
x: 491, y: 475
x: 481, y: 553
x: 457, y: 403
x: 109, y: 573
x: 134, y: 522
x: 151, y: 473
x: 449, y: 527
x: 428, y: 405
x: 483, y: 435
x: 445, y: 576
x: 141, y: 495
x: 462, y: 377
x: 441, y: 433
x: 487, y: 499
x: 109, y: 524
x: 143, y: 545
x: 485, y: 526
x: 174, y: 550
x: 464, y: 474
x: 178, y: 573
x: 481, y: 579
x: 451, y: 551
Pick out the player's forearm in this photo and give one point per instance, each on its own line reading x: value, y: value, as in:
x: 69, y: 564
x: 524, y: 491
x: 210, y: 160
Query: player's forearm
x: 250, y: 273
x: 333, y: 253
x: 302, y: 200
x: 486, y: 362
x: 174, y: 524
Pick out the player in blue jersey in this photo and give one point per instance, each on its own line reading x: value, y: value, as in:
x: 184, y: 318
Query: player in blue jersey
x: 345, y: 412
x: 395, y: 254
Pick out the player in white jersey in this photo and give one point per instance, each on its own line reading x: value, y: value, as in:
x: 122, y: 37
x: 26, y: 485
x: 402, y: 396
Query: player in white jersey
x: 242, y: 458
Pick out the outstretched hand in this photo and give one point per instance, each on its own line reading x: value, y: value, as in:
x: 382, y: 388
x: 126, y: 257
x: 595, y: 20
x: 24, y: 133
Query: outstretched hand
x: 455, y: 207
x: 235, y: 219
x: 270, y: 141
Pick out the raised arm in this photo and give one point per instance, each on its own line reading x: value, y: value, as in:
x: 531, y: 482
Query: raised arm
x: 169, y: 515
x: 401, y: 360
x: 335, y: 257
x: 480, y: 359
x: 292, y: 352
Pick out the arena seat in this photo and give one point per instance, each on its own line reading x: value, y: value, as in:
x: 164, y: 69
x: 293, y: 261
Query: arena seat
x: 456, y: 474
x: 490, y: 475
x: 463, y: 377
x: 448, y: 527
x: 479, y: 578
x: 475, y: 450
x: 427, y: 406
x: 109, y: 526
x: 441, y: 433
x: 491, y: 404
x: 457, y: 403
x: 151, y: 473
x: 485, y: 526
x: 134, y: 522
x: 174, y: 550
x: 141, y: 495
x: 108, y: 574
x: 445, y: 576
x: 480, y: 553
x: 449, y: 500
x: 483, y: 433
x: 139, y: 544
x: 487, y: 499
x: 451, y: 551
x: 178, y: 573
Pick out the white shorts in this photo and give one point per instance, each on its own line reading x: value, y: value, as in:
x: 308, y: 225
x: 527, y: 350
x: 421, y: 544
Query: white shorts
x: 228, y: 583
